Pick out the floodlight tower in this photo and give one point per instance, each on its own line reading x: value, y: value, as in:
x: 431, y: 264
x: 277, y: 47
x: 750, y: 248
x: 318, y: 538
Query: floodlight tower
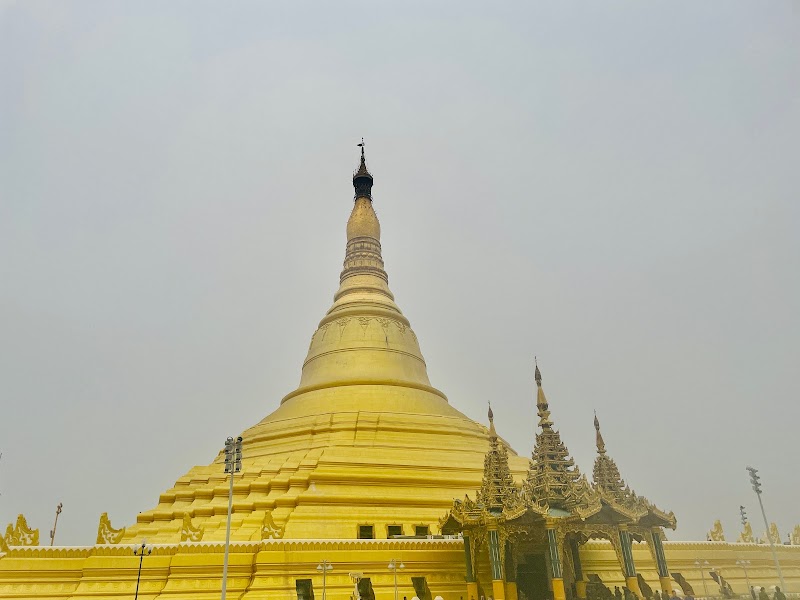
x: 755, y: 481
x: 233, y: 464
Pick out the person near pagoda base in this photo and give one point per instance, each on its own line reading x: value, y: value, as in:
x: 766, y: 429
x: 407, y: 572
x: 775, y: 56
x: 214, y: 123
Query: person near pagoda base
x: 779, y: 595
x: 762, y: 594
x: 629, y: 594
x: 656, y: 595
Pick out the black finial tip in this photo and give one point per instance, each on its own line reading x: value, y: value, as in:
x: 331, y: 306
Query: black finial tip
x: 362, y: 179
x: 491, y: 414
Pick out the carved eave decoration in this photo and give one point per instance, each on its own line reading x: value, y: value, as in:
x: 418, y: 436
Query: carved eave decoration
x: 21, y: 534
x: 269, y: 529
x: 106, y: 534
x: 658, y: 518
x: 190, y: 533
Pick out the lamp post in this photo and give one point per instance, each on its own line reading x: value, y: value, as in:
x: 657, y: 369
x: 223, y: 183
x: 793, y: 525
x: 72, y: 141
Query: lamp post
x: 233, y: 464
x: 702, y: 566
x: 743, y: 563
x: 324, y: 566
x: 141, y: 551
x: 755, y: 481
x: 393, y: 566
x: 53, y: 530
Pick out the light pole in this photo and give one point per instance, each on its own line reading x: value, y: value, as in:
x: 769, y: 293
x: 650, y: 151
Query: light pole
x: 702, y: 566
x: 324, y: 566
x: 755, y: 480
x: 393, y: 566
x: 141, y: 551
x: 233, y: 464
x: 53, y: 530
x: 743, y: 563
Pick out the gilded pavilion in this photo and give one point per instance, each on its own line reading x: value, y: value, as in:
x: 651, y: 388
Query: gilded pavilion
x: 366, y: 464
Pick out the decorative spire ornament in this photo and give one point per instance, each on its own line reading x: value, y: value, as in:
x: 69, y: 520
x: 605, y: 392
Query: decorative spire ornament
x: 362, y: 179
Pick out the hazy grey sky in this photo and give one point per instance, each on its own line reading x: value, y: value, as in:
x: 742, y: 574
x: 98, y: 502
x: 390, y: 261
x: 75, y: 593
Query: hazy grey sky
x: 611, y: 186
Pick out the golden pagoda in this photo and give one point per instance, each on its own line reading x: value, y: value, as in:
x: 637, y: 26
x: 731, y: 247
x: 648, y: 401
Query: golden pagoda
x: 367, y: 464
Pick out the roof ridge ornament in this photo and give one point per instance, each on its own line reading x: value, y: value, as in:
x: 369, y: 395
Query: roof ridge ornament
x: 601, y: 445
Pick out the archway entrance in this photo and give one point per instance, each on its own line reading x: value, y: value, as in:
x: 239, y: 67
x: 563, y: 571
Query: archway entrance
x: 532, y: 578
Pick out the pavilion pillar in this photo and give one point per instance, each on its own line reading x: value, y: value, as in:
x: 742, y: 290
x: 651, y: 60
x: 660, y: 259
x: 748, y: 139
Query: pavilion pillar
x: 471, y: 576
x: 628, y: 566
x: 496, y: 564
x: 661, y: 560
x: 580, y: 582
x: 556, y: 570
x: 511, y: 573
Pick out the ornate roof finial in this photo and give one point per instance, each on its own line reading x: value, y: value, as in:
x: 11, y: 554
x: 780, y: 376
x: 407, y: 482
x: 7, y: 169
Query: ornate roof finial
x: 362, y: 180
x: 542, y: 407
x: 601, y: 445
x: 492, y: 430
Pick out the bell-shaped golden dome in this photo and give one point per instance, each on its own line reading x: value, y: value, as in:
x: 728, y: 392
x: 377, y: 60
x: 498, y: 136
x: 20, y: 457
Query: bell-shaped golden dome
x: 363, y: 221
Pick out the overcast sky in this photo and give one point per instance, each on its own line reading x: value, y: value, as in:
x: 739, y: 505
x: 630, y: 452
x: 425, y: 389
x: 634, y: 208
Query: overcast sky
x: 611, y: 186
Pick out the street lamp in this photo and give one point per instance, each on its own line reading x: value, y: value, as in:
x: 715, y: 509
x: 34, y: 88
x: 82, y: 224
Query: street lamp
x: 743, y: 563
x: 703, y: 566
x: 141, y: 551
x: 53, y: 530
x: 393, y: 566
x: 755, y: 481
x: 324, y: 566
x: 233, y: 464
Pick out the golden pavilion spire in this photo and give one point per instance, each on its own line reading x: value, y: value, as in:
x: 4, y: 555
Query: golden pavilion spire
x: 553, y: 480
x: 498, y: 490
x: 606, y: 474
x: 615, y: 493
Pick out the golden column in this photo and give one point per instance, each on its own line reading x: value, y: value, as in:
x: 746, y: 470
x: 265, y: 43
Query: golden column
x: 661, y: 561
x: 511, y: 573
x: 471, y: 576
x: 556, y: 571
x: 496, y: 561
x: 628, y: 566
x: 580, y: 582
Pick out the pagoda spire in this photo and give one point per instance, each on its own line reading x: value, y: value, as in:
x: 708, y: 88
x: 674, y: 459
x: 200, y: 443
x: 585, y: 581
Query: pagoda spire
x: 553, y: 479
x: 615, y: 492
x: 606, y: 474
x: 498, y: 490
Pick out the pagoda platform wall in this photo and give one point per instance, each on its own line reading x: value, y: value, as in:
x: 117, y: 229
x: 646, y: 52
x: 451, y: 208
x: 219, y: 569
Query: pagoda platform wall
x: 269, y: 569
